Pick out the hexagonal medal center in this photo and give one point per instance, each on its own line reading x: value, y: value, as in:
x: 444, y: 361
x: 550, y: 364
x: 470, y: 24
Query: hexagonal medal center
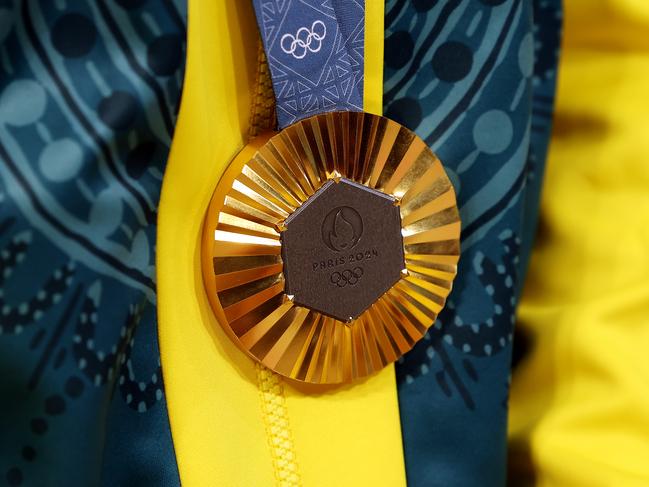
x: 342, y: 249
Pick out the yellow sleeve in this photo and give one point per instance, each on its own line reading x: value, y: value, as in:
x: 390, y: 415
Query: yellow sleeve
x: 580, y: 401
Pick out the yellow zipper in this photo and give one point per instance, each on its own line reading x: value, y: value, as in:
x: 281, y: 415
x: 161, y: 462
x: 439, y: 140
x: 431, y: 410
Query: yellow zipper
x: 271, y: 391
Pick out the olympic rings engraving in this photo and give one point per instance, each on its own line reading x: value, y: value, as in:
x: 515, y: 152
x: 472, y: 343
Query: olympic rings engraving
x: 304, y: 40
x: 348, y: 276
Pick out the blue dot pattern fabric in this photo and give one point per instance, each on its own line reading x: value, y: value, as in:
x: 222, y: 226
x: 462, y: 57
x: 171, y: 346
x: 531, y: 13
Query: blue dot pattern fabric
x: 476, y: 80
x: 315, y: 55
x: 88, y: 96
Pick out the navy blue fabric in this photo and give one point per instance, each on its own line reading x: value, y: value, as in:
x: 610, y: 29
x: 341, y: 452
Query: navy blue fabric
x: 475, y: 79
x: 88, y: 98
x: 315, y: 55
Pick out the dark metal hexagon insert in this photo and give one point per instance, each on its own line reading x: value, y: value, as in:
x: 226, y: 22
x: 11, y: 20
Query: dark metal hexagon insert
x: 342, y: 249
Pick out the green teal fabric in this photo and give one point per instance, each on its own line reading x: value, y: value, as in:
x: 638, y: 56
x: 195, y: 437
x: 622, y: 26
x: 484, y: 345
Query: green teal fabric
x: 88, y: 96
x: 475, y: 79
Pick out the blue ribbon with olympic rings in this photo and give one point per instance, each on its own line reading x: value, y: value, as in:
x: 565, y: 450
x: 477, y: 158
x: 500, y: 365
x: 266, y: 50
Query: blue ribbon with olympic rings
x: 315, y: 55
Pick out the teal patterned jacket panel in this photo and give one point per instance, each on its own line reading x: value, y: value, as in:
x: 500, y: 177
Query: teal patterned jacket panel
x: 89, y: 92
x: 475, y: 79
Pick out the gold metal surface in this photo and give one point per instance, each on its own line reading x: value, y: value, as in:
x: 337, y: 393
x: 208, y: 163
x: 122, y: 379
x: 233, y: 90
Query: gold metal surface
x: 241, y: 250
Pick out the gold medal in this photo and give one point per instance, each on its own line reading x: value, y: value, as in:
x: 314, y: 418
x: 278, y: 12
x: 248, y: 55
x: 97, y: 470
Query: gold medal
x: 330, y: 247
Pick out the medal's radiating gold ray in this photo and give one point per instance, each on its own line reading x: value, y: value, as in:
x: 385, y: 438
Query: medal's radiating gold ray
x: 246, y: 226
x: 235, y: 207
x: 435, y: 220
x: 387, y: 318
x: 430, y: 277
x: 254, y: 334
x: 441, y: 202
x: 396, y: 171
x: 230, y: 280
x: 247, y: 196
x: 264, y: 187
x: 242, y: 252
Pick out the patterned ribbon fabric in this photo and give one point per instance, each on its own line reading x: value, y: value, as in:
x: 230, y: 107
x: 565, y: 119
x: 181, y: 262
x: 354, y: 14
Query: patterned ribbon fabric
x: 315, y: 54
x: 88, y: 96
x: 474, y: 79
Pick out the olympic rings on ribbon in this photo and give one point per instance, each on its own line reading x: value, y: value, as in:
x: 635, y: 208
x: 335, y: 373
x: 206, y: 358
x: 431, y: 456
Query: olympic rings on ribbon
x: 348, y: 276
x: 304, y: 40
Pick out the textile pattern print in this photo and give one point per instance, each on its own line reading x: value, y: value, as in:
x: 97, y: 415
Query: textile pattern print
x: 88, y: 99
x: 315, y: 54
x: 475, y: 79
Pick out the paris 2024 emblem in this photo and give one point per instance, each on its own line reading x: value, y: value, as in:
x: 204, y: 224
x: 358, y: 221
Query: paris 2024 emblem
x: 342, y: 228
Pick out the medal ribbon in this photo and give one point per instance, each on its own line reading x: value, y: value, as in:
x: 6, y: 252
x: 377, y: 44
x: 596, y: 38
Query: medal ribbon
x: 315, y: 55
